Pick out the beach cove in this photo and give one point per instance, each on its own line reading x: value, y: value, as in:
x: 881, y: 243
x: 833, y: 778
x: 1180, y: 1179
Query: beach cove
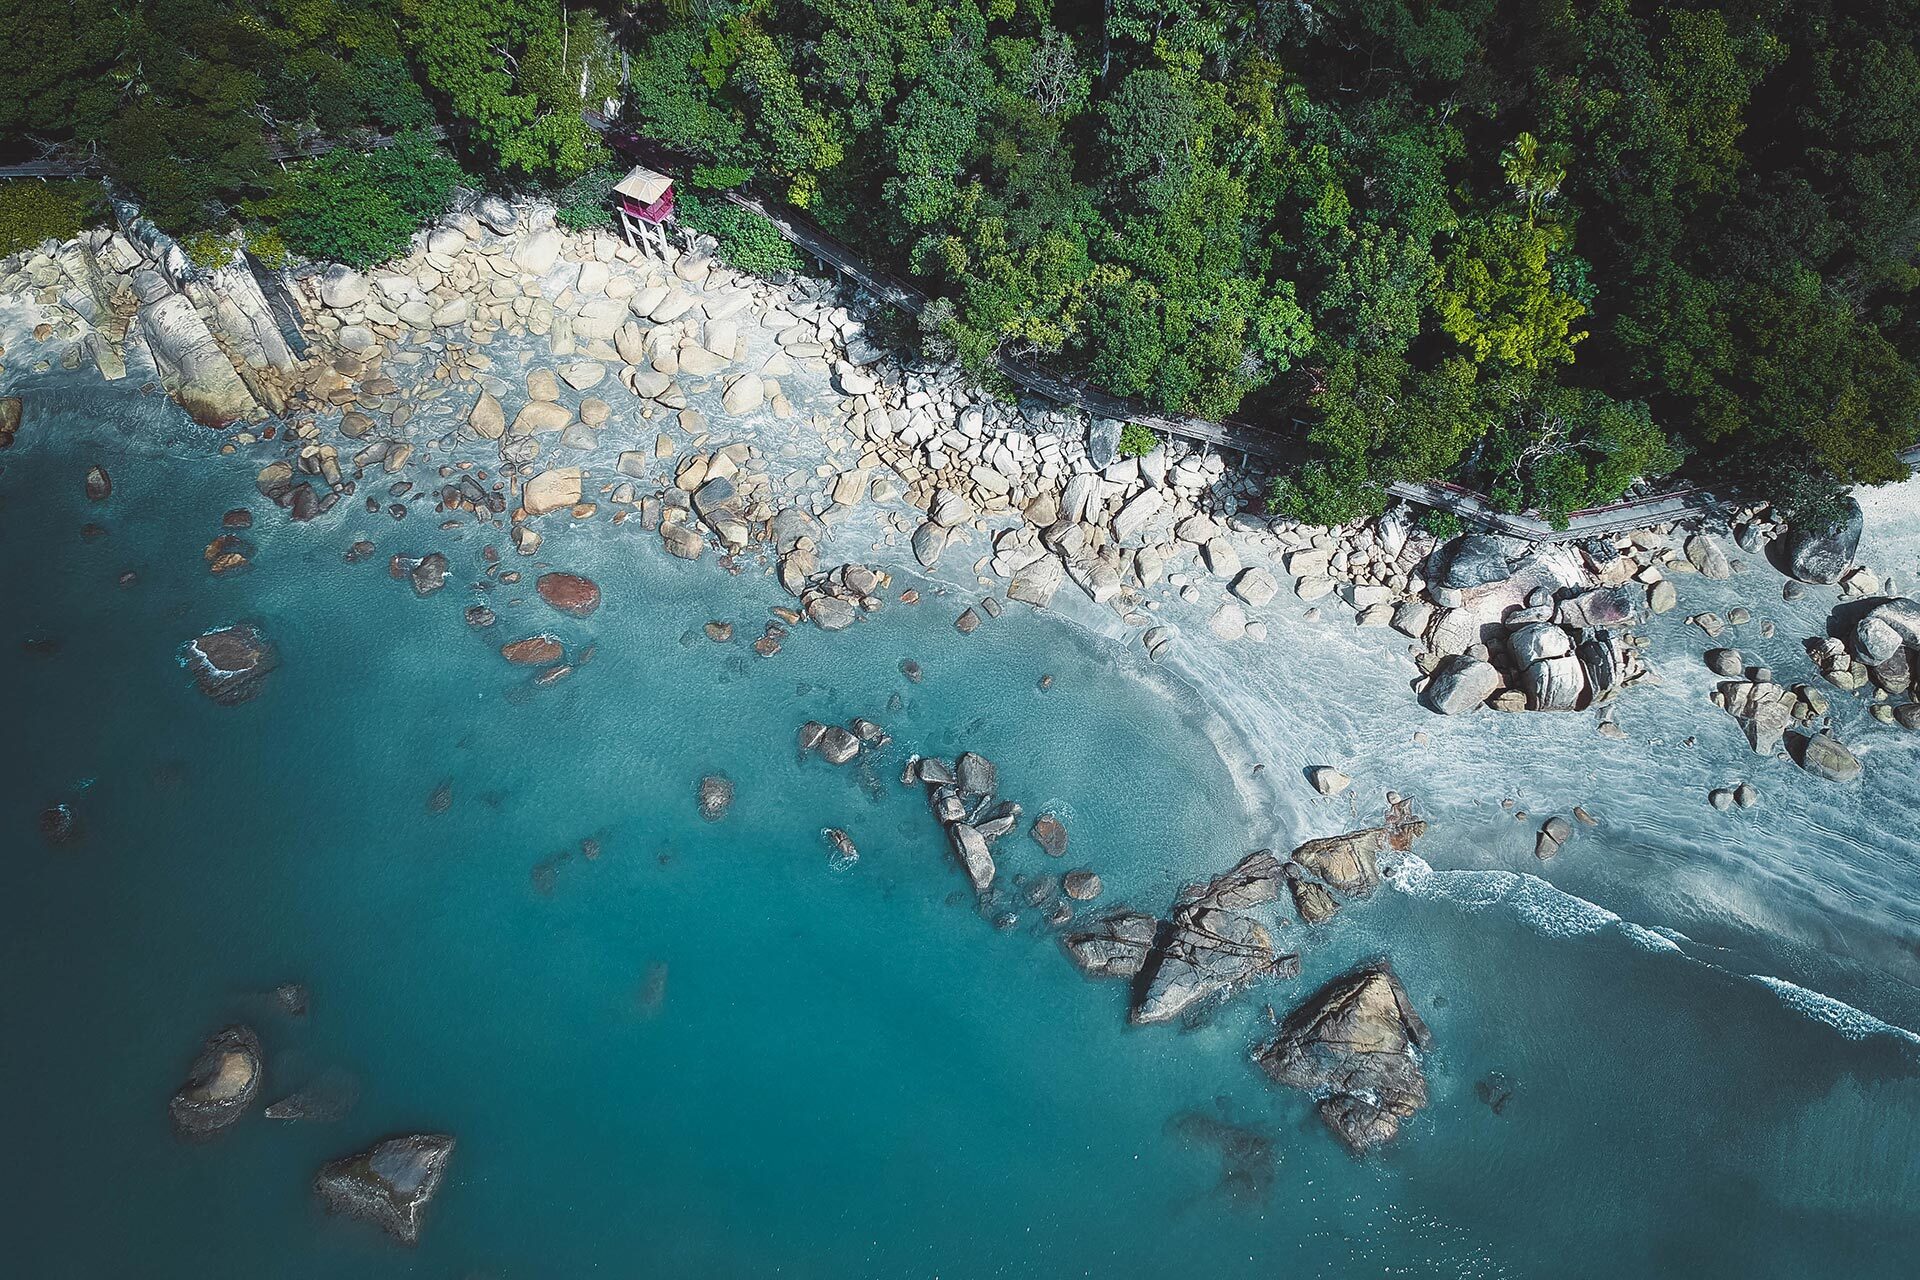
x: 693, y: 1047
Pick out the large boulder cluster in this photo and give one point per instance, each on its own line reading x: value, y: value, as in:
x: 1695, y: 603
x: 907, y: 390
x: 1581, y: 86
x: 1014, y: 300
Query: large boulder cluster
x: 1524, y: 628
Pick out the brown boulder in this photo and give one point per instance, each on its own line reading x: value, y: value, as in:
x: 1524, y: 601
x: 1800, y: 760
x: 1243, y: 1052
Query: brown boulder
x: 534, y: 651
x: 569, y: 593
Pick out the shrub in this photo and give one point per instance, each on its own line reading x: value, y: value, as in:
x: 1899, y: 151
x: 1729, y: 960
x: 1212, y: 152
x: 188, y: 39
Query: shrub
x: 208, y: 250
x: 587, y: 201
x: 32, y: 210
x: 1329, y: 492
x: 1443, y: 525
x: 360, y: 208
x: 747, y: 240
x: 265, y: 244
x: 1136, y: 441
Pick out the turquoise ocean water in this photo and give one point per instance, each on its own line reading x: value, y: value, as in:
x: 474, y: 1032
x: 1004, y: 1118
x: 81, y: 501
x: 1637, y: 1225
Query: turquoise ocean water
x: 703, y: 1053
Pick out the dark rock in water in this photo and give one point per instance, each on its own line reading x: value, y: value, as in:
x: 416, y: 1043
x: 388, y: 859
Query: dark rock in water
x: 441, y: 798
x: 1470, y: 560
x: 976, y: 774
x: 1825, y: 756
x: 10, y: 407
x: 838, y: 745
x: 845, y: 852
x: 716, y: 796
x: 220, y: 1085
x: 975, y: 858
x: 1313, y: 902
x: 1082, y: 886
x: 967, y: 623
x: 361, y: 550
x: 569, y: 593
x: 303, y: 503
x: 99, y: 484
x: 1050, y: 834
x: 238, y: 518
x: 719, y: 632
x: 811, y: 734
x: 479, y: 616
x: 534, y: 651
x: 328, y: 1097
x: 1249, y: 1166
x: 1207, y: 948
x: 388, y: 1184
x: 429, y: 574
x: 1824, y: 555
x: 292, y: 998
x: 869, y: 732
x: 1116, y: 947
x: 59, y: 825
x: 653, y: 988
x: 911, y: 670
x: 1495, y: 1090
x: 230, y: 664
x: 1352, y: 1045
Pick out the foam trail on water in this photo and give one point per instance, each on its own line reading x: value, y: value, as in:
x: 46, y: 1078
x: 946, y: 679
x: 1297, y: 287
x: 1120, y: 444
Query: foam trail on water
x: 1554, y: 913
x: 1854, y: 1024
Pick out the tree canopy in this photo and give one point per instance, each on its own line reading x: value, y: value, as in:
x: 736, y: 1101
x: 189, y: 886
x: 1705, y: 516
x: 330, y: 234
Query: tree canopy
x: 1537, y: 246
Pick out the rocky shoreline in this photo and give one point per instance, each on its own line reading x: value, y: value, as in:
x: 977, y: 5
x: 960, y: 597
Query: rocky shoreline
x: 758, y: 424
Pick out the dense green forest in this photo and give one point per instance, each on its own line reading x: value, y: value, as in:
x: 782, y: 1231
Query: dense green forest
x: 1543, y: 246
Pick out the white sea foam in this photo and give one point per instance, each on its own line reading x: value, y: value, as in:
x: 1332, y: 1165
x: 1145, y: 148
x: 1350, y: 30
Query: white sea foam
x: 1854, y: 1024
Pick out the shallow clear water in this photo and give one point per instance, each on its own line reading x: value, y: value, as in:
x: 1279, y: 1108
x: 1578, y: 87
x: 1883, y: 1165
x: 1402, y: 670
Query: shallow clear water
x: 704, y: 1053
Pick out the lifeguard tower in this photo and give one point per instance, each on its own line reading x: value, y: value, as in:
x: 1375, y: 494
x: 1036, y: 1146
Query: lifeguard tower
x: 645, y: 201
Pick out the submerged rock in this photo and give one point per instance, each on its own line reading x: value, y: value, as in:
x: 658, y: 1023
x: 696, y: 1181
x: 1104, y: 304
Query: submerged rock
x: 230, y: 664
x: 570, y: 593
x: 389, y: 1184
x: 220, y: 1085
x: 716, y: 796
x: 534, y: 651
x: 1351, y: 1044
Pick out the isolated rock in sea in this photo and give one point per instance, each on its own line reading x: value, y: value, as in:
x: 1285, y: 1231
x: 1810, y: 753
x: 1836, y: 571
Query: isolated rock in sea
x: 716, y: 796
x: 389, y: 1184
x: 10, y: 411
x: 1051, y: 835
x: 1461, y: 685
x: 1825, y: 756
x: 569, y: 593
x: 1823, y: 555
x: 534, y: 651
x: 1081, y: 886
x: 1327, y: 780
x: 230, y: 664
x: 429, y: 573
x: 1351, y: 1044
x: 220, y: 1085
x: 99, y: 484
